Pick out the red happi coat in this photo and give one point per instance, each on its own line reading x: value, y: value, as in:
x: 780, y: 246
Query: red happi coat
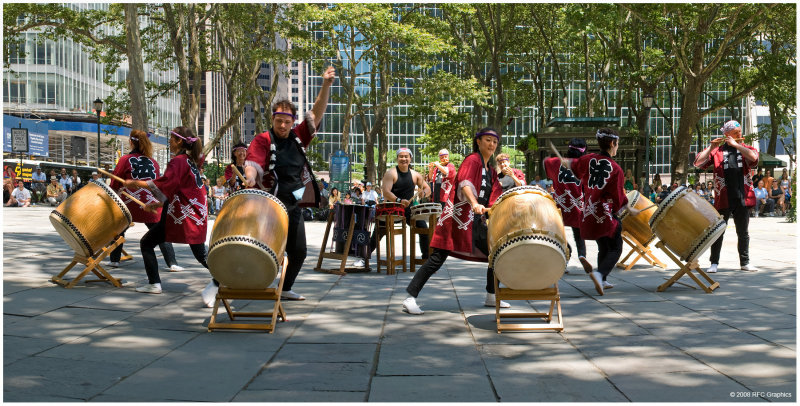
x: 717, y: 159
x: 602, y: 181
x: 139, y: 167
x: 261, y: 156
x: 568, y: 193
x: 184, y: 197
x: 454, y: 229
x: 447, y: 181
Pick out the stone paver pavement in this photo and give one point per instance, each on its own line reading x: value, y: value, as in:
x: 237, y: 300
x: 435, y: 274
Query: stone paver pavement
x: 350, y: 341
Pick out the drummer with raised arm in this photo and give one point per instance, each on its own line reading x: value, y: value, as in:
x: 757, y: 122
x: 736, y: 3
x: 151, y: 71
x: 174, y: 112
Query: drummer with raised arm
x: 509, y: 177
x: 733, y: 187
x: 441, y: 175
x: 603, y: 182
x: 569, y: 195
x: 461, y: 230
x: 398, y: 185
x: 277, y: 163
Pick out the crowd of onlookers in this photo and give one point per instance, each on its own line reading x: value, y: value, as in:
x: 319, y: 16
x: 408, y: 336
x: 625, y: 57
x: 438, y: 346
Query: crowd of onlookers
x: 50, y: 188
x: 773, y: 195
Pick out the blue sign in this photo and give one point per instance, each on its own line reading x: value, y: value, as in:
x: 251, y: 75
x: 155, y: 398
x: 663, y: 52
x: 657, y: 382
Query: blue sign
x: 39, y: 141
x: 340, y: 167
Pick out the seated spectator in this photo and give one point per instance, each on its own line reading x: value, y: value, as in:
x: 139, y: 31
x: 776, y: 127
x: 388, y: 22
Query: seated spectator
x: 20, y: 197
x: 55, y: 192
x: 758, y: 176
x: 762, y: 199
x: 333, y: 198
x: 653, y: 196
x: 699, y: 190
x: 370, y: 196
x: 76, y: 181
x: 347, y: 199
x: 664, y: 193
x: 9, y: 181
x: 65, y: 181
x: 96, y: 177
x: 537, y: 181
x: 776, y: 195
x: 38, y: 185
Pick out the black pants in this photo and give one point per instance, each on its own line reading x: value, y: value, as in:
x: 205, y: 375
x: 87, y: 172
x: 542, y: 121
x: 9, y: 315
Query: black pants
x: 424, y: 241
x: 155, y: 236
x: 742, y: 220
x: 434, y: 262
x: 166, y: 250
x: 609, y: 251
x: 296, y: 249
x: 580, y: 243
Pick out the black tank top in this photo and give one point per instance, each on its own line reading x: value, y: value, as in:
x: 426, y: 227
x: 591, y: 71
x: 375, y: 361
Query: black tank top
x: 404, y: 187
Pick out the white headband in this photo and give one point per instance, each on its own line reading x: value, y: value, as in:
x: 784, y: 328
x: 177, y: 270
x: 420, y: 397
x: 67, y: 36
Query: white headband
x: 605, y: 135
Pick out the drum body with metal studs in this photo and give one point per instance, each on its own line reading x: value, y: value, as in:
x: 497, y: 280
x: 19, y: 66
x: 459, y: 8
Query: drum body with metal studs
x: 91, y: 218
x: 638, y: 226
x: 527, y: 245
x: 388, y: 208
x: 248, y: 240
x: 687, y: 223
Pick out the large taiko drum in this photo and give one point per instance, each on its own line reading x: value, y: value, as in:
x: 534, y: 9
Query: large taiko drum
x: 638, y: 226
x: 248, y: 240
x: 91, y: 218
x: 687, y: 223
x: 527, y: 245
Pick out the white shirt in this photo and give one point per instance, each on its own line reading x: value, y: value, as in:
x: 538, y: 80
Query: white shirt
x: 20, y: 195
x: 370, y: 195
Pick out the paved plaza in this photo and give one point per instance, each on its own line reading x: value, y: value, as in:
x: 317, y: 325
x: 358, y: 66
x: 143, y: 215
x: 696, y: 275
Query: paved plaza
x: 350, y: 341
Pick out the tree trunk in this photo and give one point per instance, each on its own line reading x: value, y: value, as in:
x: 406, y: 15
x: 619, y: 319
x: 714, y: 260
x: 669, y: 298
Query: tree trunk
x: 774, y: 124
x: 588, y: 77
x: 135, y: 82
x: 689, y: 118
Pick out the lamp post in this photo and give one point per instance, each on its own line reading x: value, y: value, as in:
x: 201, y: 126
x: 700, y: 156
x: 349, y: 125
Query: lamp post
x: 647, y: 101
x: 98, y: 107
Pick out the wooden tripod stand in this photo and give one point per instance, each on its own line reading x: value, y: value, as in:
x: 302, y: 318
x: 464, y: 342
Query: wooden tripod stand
x: 642, y: 251
x: 92, y: 265
x: 686, y: 269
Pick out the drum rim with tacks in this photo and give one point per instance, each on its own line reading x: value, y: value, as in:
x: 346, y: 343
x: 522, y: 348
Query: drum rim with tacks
x: 513, y: 249
x: 382, y: 217
x: 703, y: 240
x: 72, y: 234
x: 423, y: 211
x: 243, y: 261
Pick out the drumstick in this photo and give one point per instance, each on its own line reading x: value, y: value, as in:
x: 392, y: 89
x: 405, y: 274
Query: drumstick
x: 135, y: 200
x: 111, y: 175
x: 239, y: 174
x: 560, y: 159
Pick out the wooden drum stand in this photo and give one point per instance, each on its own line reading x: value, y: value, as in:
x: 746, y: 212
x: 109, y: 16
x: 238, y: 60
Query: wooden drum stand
x: 92, y: 265
x: 549, y: 294
x: 642, y: 251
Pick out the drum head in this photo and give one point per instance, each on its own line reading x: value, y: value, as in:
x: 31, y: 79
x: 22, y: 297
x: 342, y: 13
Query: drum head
x: 71, y: 235
x: 529, y: 266
x: 242, y: 263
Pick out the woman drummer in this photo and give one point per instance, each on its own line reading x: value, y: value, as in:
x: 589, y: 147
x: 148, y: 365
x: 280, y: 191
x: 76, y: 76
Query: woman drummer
x: 140, y: 165
x: 238, y: 156
x: 181, y: 189
x: 569, y: 196
x: 602, y: 181
x: 477, y: 189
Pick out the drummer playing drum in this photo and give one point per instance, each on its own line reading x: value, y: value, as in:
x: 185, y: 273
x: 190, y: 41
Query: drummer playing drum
x: 398, y: 186
x: 460, y: 231
x: 603, y: 197
x: 569, y: 196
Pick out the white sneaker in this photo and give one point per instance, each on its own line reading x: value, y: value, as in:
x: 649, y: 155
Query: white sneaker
x: 597, y: 278
x: 359, y: 263
x: 490, y: 299
x: 712, y: 268
x: 209, y: 294
x: 113, y: 264
x: 175, y: 268
x: 290, y: 295
x: 410, y: 306
x: 607, y: 285
x: 749, y: 268
x: 150, y: 288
